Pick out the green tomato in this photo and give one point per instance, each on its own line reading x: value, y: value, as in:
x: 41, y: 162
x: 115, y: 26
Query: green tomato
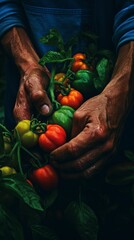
x: 7, y: 144
x: 6, y: 170
x: 27, y: 136
x: 83, y: 82
x: 63, y: 117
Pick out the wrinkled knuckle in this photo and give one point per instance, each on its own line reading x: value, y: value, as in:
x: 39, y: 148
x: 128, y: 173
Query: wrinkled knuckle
x: 77, y: 114
x: 88, y: 173
x: 79, y: 165
x: 38, y: 95
x: 72, y: 149
x: 109, y: 146
x: 101, y: 133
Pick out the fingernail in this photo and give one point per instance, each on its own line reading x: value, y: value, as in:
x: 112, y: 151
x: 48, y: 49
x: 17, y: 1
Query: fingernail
x: 45, y: 109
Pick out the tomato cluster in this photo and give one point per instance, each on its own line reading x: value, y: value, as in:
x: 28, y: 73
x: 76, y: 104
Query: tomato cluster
x: 67, y: 91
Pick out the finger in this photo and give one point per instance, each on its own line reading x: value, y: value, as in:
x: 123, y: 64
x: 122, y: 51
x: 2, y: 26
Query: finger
x: 76, y: 146
x: 22, y: 107
x: 36, y: 86
x: 82, y: 163
x: 79, y: 122
x: 42, y: 102
x: 90, y: 171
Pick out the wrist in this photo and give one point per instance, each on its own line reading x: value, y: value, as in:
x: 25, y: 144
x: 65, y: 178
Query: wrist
x: 121, y: 86
x: 17, y: 44
x: 123, y: 69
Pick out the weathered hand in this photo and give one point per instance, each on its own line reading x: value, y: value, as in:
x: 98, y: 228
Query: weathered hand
x: 96, y: 129
x: 32, y: 93
x: 99, y: 122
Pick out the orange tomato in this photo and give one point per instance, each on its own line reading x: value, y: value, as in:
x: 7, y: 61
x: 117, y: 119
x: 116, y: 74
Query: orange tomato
x: 74, y: 99
x: 79, y: 63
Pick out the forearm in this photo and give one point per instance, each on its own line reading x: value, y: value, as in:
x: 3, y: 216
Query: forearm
x: 17, y: 43
x: 121, y: 86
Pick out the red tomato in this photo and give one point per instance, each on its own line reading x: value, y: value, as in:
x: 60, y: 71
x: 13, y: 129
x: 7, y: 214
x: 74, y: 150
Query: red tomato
x: 74, y: 99
x: 45, y: 177
x: 53, y: 137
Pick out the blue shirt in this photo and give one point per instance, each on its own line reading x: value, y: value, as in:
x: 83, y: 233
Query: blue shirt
x: 111, y: 20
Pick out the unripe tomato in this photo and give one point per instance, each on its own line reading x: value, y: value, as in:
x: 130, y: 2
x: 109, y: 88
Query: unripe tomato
x: 27, y: 137
x: 53, y: 137
x: 59, y: 76
x: 6, y: 170
x: 45, y: 177
x: 7, y: 144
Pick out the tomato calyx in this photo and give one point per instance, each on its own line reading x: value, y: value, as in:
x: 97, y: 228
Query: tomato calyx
x: 37, y: 126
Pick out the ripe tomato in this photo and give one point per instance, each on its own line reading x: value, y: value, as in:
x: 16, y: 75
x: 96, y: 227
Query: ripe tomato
x: 27, y: 136
x: 74, y: 99
x: 79, y: 56
x: 46, y: 177
x: 53, y: 137
x: 79, y: 63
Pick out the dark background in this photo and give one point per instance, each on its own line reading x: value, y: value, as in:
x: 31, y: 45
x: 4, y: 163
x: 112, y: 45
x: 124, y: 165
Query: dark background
x: 2, y: 87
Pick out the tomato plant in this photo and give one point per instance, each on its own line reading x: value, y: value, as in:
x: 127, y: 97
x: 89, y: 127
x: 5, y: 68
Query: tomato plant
x: 46, y: 177
x: 27, y: 136
x: 74, y: 98
x: 53, y: 137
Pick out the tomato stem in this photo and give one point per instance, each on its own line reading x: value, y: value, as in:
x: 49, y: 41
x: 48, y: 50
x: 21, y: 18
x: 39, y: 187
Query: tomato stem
x: 37, y: 126
x: 56, y: 104
x: 33, y: 156
x: 19, y: 160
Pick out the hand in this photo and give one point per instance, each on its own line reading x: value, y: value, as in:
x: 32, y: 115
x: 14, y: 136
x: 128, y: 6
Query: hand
x: 32, y: 93
x: 34, y: 77
x: 96, y: 129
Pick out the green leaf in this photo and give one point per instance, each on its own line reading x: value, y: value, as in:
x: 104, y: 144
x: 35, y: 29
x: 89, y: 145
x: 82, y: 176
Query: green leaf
x: 103, y: 70
x: 10, y: 227
x: 121, y: 174
x: 83, y: 220
x: 50, y: 198
x: 40, y: 232
x: 53, y: 57
x: 53, y: 38
x: 133, y: 192
x: 17, y: 185
x: 129, y: 155
x: 1, y: 142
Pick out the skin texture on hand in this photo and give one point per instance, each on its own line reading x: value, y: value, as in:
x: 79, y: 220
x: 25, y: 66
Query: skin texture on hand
x: 98, y: 124
x: 34, y: 79
x: 32, y: 94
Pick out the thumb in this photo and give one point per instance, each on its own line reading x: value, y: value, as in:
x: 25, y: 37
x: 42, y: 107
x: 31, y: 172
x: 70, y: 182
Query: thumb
x: 42, y: 102
x: 36, y: 83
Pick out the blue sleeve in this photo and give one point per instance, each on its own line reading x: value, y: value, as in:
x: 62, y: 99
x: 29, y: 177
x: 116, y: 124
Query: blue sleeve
x: 10, y: 15
x: 124, y: 24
